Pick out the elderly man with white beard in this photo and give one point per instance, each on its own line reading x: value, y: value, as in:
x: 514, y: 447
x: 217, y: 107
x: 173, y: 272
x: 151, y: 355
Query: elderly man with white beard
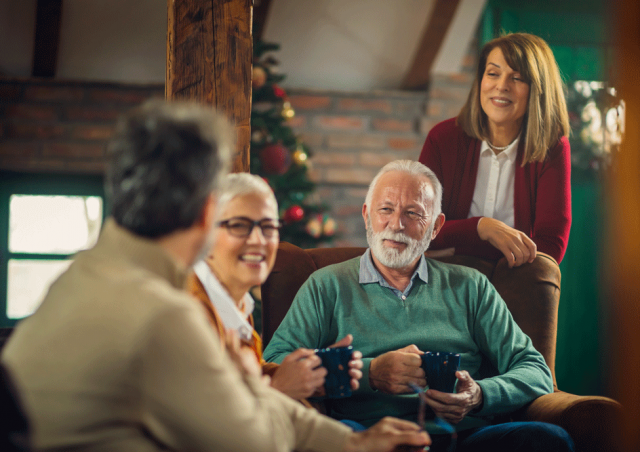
x: 399, y: 304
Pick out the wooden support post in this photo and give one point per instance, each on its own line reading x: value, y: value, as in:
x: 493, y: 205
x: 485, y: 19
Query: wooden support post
x: 209, y: 57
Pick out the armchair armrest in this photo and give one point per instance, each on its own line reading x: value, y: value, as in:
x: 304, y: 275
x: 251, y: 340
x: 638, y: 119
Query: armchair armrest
x: 590, y: 420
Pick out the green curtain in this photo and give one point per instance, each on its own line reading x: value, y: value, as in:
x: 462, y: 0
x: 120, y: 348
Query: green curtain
x: 578, y: 363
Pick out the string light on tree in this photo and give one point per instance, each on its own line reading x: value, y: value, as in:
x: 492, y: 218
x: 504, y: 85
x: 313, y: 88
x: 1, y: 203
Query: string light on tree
x: 287, y: 111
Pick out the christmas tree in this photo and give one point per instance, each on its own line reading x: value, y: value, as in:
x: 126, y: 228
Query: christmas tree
x: 596, y: 116
x: 281, y: 158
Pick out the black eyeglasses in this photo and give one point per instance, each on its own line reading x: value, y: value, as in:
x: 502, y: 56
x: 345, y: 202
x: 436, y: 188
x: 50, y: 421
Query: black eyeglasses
x: 243, y: 226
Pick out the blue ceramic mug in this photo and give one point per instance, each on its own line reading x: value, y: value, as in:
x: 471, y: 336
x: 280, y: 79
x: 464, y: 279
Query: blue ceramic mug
x: 440, y: 369
x: 336, y: 360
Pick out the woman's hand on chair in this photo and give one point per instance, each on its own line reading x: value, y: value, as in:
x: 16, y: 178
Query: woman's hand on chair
x: 516, y: 246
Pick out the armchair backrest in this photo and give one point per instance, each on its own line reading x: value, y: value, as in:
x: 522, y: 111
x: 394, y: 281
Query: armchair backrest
x: 531, y: 291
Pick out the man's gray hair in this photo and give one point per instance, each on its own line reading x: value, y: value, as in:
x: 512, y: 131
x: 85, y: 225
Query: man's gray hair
x: 413, y: 168
x: 166, y: 158
x: 240, y: 184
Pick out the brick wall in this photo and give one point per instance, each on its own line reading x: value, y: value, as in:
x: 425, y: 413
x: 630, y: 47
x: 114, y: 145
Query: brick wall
x: 352, y: 135
x: 55, y: 126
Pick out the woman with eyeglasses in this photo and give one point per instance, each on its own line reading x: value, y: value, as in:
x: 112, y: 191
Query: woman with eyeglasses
x: 242, y: 257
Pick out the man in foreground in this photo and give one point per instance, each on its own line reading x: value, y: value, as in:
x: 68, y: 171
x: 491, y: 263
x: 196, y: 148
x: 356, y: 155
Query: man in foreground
x: 120, y: 358
x: 398, y: 304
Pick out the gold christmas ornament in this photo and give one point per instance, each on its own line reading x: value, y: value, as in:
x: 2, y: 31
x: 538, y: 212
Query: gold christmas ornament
x: 259, y: 77
x: 329, y: 227
x: 314, y: 228
x: 300, y: 157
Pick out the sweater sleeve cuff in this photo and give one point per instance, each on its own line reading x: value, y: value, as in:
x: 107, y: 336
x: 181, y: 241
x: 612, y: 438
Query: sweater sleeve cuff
x: 365, y: 384
x: 490, y: 396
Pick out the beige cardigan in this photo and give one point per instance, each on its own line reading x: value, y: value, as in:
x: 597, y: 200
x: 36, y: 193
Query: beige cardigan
x: 120, y: 358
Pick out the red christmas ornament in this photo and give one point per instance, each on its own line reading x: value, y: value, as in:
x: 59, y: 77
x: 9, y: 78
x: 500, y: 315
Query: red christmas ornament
x: 279, y: 92
x: 275, y: 159
x: 293, y: 214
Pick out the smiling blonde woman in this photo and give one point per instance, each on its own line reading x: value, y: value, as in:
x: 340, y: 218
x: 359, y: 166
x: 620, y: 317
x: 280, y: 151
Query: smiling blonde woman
x: 504, y: 162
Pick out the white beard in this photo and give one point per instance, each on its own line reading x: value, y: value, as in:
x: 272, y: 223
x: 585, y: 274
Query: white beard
x: 391, y: 257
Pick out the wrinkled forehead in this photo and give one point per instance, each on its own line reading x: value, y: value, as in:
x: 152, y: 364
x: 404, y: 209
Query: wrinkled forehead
x: 427, y: 195
x: 409, y: 189
x: 428, y: 192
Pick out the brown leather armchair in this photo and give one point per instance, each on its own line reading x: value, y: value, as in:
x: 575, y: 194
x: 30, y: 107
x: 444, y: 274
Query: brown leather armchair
x: 532, y: 293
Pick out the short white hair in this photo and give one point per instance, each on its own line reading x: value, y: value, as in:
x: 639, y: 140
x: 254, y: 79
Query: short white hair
x: 413, y: 168
x: 240, y: 184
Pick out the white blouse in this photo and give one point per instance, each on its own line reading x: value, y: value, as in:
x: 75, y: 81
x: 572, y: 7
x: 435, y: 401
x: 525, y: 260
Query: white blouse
x: 231, y: 316
x: 494, y: 192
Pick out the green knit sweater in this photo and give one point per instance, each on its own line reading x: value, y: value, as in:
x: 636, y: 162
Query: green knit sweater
x: 457, y: 311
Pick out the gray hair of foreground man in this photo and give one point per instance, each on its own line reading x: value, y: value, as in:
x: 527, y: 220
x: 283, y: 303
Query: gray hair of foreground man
x: 165, y: 160
x: 413, y: 168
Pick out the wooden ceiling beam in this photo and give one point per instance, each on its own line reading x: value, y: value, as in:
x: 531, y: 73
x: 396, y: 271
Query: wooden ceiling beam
x: 261, y: 10
x: 441, y: 17
x: 47, y: 38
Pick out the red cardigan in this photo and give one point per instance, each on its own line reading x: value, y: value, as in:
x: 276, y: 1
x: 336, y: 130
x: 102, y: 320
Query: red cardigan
x: 542, y: 198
